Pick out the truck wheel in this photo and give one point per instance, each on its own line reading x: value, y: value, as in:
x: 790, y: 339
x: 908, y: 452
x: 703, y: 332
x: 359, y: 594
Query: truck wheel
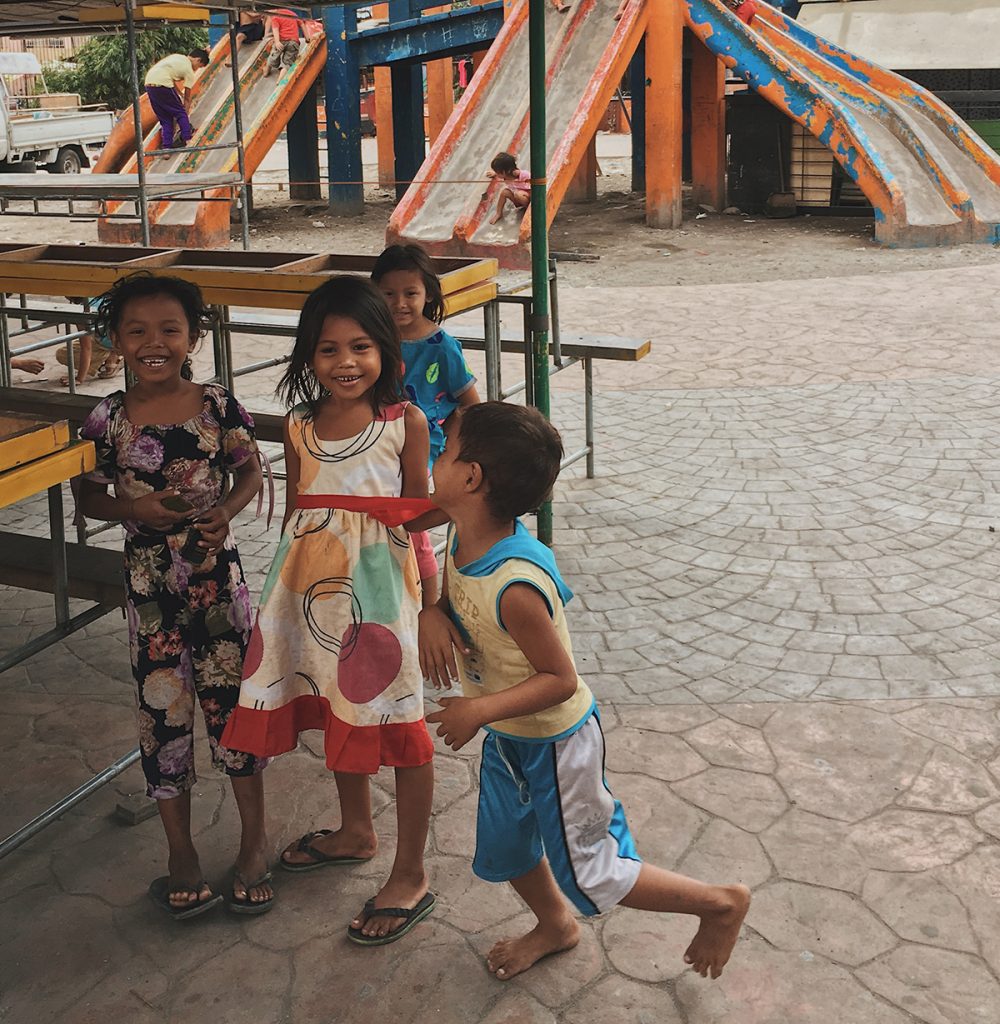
x: 68, y: 161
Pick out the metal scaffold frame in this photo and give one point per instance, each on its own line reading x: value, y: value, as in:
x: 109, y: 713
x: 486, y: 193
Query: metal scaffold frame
x: 28, y: 188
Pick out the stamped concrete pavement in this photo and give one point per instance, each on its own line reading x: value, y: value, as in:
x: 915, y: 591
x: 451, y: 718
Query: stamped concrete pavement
x: 786, y: 591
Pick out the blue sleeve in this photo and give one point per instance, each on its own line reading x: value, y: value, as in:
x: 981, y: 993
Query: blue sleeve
x: 456, y: 376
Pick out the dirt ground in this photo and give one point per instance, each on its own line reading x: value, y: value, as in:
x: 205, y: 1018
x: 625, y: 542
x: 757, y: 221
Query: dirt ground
x: 712, y: 248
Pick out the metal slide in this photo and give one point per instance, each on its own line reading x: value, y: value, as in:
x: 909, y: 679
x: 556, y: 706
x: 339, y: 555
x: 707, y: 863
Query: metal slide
x: 930, y: 179
x: 267, y: 104
x: 587, y: 53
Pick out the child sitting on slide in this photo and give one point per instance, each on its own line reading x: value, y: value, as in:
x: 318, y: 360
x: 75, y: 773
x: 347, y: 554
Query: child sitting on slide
x: 516, y: 191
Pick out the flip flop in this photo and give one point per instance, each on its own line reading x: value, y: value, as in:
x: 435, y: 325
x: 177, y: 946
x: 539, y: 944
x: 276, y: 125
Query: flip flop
x: 320, y: 859
x: 159, y: 893
x: 104, y: 371
x: 247, y: 906
x: 413, y: 916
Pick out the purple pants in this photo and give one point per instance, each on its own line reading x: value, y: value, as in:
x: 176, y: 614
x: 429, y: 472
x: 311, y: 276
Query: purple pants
x: 169, y: 107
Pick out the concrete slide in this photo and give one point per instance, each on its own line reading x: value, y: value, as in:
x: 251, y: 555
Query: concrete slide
x: 587, y: 53
x: 929, y: 177
x: 267, y: 104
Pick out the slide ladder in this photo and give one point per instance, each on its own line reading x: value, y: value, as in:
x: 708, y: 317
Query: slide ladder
x: 267, y: 104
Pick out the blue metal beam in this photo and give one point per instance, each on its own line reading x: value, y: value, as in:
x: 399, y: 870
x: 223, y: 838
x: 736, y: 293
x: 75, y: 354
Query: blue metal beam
x: 342, y: 82
x: 637, y: 86
x: 429, y: 37
x: 303, y: 149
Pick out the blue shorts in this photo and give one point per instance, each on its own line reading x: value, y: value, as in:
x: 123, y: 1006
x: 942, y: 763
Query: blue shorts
x: 549, y: 798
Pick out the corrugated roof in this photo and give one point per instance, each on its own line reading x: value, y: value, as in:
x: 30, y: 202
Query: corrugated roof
x: 19, y: 18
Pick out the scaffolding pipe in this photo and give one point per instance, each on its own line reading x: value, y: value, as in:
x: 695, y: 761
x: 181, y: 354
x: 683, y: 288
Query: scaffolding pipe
x: 140, y: 155
x: 238, y: 121
x: 539, y: 228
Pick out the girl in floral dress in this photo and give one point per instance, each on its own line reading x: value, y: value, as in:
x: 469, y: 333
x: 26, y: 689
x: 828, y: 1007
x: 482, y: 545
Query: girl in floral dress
x: 334, y: 646
x: 167, y: 446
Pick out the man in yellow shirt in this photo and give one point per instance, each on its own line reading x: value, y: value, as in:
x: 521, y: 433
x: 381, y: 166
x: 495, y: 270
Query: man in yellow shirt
x: 168, y: 86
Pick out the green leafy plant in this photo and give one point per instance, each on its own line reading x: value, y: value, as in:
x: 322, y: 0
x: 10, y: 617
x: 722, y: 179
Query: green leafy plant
x: 101, y: 72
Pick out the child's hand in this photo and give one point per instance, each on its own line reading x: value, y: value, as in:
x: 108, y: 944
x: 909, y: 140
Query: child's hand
x: 437, y: 639
x: 150, y: 510
x: 213, y: 526
x: 458, y: 720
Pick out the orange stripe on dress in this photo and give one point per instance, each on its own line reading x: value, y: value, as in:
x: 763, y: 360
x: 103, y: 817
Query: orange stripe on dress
x: 389, y: 511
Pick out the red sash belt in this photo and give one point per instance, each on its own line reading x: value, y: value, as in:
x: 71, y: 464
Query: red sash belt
x: 390, y: 511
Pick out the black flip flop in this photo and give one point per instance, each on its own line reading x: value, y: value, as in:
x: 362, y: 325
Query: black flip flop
x: 413, y: 916
x: 320, y: 859
x: 159, y: 893
x: 247, y: 906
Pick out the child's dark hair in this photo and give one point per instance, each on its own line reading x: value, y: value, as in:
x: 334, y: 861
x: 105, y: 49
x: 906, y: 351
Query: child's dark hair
x: 503, y: 163
x: 356, y: 299
x: 201, y: 54
x: 143, y: 285
x: 518, y: 450
x: 412, y: 257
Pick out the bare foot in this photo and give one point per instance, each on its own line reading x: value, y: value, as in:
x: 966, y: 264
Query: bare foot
x: 495, y: 219
x: 562, y: 8
x: 333, y: 844
x: 27, y: 363
x: 510, y: 957
x: 402, y: 893
x: 712, y: 945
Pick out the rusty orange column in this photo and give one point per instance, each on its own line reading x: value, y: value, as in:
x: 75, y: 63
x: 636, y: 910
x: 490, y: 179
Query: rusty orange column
x: 583, y: 187
x: 383, y: 127
x: 440, y: 89
x: 383, y: 114
x: 664, y: 114
x: 440, y: 95
x: 708, y: 126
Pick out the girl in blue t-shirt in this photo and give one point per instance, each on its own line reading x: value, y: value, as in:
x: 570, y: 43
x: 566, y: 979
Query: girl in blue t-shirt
x: 436, y: 377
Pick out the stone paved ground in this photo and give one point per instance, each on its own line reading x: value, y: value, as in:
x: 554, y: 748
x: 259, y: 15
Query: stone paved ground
x: 786, y: 584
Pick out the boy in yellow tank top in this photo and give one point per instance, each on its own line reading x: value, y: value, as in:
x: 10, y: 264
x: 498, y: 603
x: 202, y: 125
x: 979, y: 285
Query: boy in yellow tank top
x: 547, y: 820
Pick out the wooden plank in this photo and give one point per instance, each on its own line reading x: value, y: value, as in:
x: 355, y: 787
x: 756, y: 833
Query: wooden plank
x: 578, y: 346
x: 24, y: 481
x: 456, y: 280
x: 265, y: 290
x: 469, y: 298
x: 93, y: 574
x: 106, y: 186
x: 23, y: 440
x: 54, y: 405
x: 48, y: 406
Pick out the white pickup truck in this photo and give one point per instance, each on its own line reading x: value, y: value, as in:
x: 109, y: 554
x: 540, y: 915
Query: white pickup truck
x: 50, y: 139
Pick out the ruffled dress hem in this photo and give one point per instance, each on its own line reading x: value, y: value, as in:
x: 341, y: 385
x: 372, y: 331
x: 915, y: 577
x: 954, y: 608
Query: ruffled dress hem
x: 359, y: 749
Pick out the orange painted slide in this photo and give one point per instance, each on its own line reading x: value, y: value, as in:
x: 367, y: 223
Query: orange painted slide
x: 587, y: 54
x: 267, y: 104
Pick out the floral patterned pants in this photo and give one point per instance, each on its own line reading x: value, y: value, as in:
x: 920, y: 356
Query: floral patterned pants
x: 188, y: 631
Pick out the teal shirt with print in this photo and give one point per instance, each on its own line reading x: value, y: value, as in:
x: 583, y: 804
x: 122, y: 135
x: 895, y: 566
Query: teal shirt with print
x: 435, y: 375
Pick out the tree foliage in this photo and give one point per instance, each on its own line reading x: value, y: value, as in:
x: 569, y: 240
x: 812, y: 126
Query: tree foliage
x: 102, y: 75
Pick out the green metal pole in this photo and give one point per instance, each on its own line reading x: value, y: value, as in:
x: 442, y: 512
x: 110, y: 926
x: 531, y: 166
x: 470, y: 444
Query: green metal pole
x: 539, y: 228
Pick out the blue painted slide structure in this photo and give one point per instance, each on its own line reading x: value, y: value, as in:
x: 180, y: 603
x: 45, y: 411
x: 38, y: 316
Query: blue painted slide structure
x: 929, y: 177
